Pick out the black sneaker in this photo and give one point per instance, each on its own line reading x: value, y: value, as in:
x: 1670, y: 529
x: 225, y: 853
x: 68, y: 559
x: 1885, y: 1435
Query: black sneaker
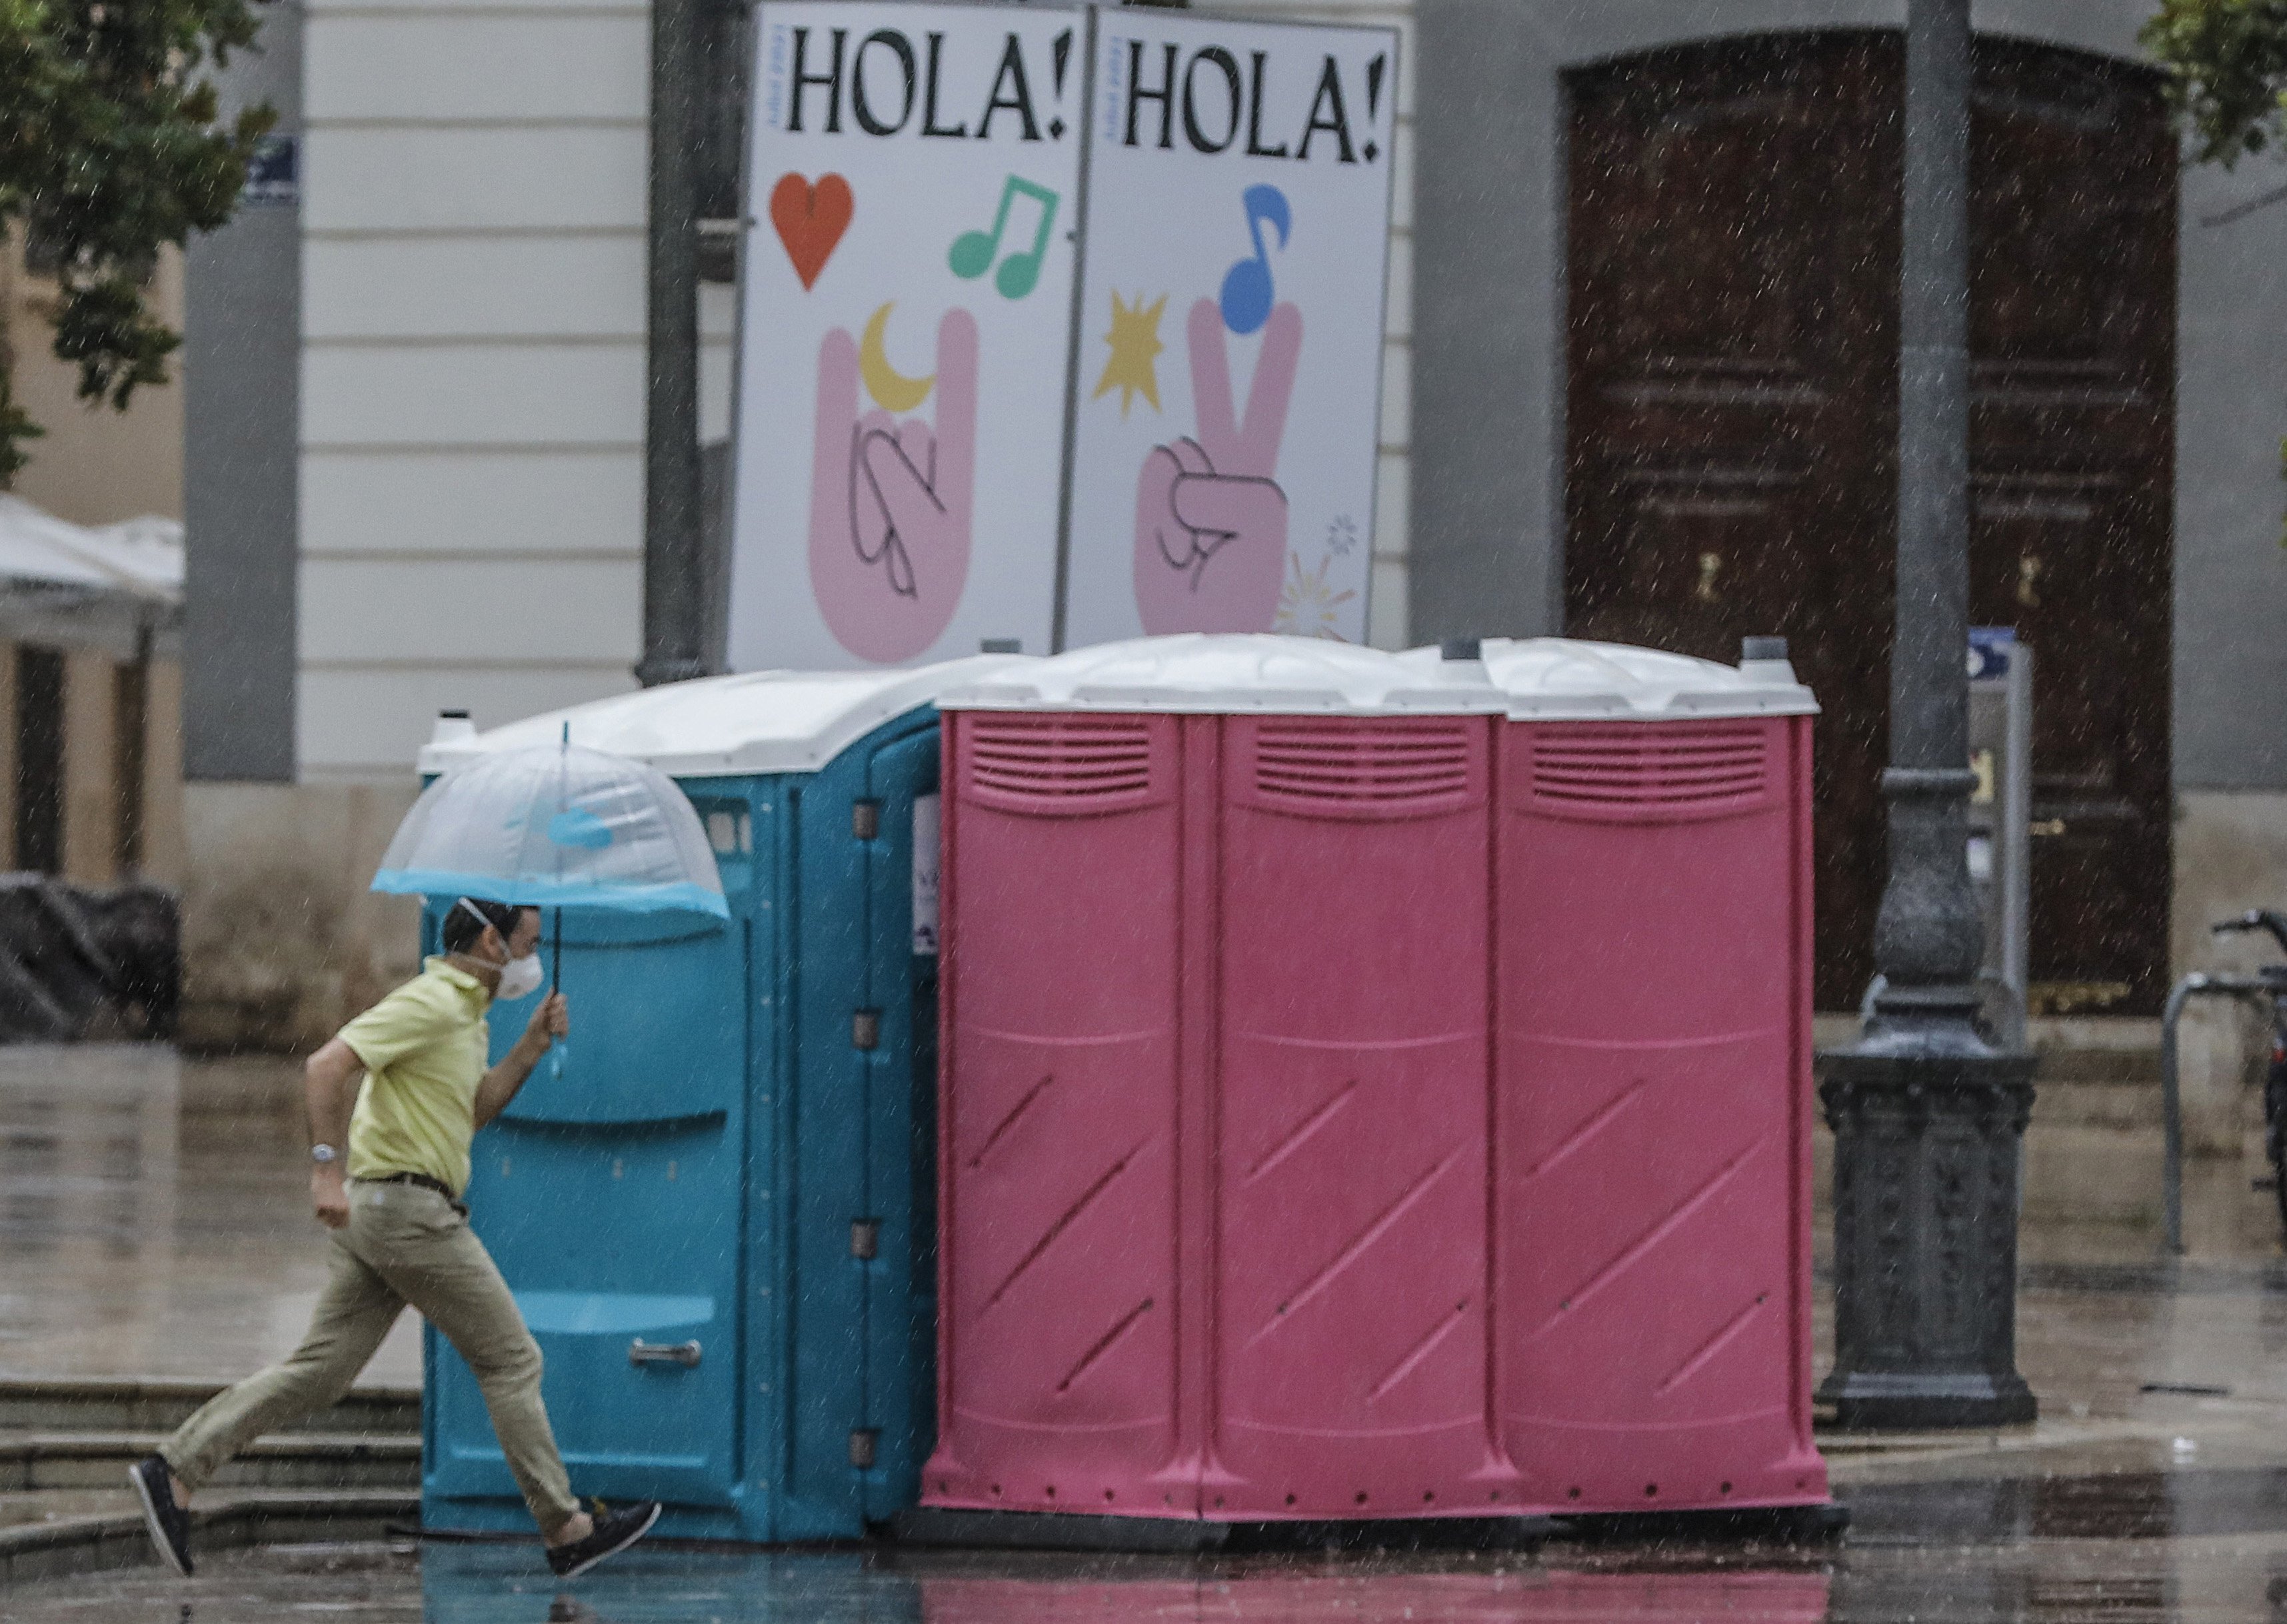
x: 168, y: 1523
x: 614, y: 1532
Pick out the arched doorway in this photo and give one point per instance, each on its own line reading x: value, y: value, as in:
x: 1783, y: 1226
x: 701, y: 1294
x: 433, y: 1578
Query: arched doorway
x: 1732, y: 267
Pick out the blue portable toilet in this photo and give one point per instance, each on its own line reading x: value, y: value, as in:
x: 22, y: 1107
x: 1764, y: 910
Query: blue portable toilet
x: 717, y: 1213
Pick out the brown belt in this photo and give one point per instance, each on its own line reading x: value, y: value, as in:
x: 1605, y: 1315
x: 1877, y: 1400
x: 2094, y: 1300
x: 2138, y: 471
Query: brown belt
x: 425, y: 1182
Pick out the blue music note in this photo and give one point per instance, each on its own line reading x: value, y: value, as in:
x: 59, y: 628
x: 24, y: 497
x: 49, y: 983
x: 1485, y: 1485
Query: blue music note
x: 1248, y: 294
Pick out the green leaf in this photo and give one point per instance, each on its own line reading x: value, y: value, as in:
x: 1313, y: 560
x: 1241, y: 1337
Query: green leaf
x: 114, y: 144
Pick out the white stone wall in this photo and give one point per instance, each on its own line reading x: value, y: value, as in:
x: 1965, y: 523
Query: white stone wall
x: 471, y: 428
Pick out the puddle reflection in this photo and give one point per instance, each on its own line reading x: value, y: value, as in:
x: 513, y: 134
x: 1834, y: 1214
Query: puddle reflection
x: 497, y: 1585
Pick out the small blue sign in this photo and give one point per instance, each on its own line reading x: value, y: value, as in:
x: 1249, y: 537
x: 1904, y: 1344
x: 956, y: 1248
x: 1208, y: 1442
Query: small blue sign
x: 274, y: 175
x: 1990, y: 649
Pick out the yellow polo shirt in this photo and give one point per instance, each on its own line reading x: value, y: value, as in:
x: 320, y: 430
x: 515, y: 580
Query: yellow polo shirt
x: 424, y: 1049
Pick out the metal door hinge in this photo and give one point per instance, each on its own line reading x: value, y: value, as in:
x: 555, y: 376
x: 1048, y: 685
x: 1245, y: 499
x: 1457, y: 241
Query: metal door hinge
x: 866, y: 1028
x: 862, y: 1440
x: 865, y: 819
x: 865, y: 1239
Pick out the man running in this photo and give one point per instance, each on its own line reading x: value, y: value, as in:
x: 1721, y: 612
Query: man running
x: 401, y: 1234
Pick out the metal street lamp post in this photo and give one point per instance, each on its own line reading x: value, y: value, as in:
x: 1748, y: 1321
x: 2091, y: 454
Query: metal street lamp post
x: 674, y: 607
x: 1928, y: 1115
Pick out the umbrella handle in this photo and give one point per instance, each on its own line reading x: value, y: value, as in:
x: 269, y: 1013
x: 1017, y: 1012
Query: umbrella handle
x: 555, y: 986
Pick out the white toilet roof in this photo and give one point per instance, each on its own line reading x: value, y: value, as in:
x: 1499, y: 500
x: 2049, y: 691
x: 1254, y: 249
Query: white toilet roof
x: 763, y: 722
x: 1227, y: 673
x: 1560, y: 679
x: 1540, y: 678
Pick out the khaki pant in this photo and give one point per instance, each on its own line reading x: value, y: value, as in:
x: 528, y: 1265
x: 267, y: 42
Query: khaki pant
x: 402, y: 1244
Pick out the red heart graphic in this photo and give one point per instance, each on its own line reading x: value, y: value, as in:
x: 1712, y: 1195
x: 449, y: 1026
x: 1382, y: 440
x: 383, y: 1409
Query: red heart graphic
x: 810, y: 220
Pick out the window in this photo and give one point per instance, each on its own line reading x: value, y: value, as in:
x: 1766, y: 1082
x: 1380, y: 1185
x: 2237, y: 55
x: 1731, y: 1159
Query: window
x: 39, y: 760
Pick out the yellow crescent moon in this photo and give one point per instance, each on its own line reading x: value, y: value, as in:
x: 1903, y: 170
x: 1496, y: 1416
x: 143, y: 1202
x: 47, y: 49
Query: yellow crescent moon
x: 890, y: 389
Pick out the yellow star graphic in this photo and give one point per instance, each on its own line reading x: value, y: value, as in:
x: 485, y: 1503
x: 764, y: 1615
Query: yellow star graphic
x: 1134, y: 341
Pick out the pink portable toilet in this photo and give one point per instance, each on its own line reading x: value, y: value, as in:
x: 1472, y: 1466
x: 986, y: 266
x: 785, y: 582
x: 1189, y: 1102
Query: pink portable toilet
x: 1214, y: 1115
x: 1652, y: 1095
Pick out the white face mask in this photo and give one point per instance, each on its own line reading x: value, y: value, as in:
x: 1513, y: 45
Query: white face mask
x: 519, y: 977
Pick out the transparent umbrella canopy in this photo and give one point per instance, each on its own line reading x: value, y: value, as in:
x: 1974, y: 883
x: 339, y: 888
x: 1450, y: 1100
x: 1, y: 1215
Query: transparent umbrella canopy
x: 556, y: 827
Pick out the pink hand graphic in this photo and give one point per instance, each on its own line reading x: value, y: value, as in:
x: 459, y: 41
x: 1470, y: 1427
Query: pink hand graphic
x: 891, y: 501
x: 1210, y: 519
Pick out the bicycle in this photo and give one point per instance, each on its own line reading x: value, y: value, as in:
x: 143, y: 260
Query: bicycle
x: 2269, y: 980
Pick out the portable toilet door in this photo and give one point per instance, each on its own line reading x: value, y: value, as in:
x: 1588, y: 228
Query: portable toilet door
x: 863, y: 978
x: 1652, y: 1093
x: 710, y: 1214
x: 611, y: 1195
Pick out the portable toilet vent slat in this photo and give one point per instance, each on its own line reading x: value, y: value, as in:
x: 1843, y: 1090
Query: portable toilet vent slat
x: 1212, y: 1147
x: 710, y: 1213
x: 1652, y: 1081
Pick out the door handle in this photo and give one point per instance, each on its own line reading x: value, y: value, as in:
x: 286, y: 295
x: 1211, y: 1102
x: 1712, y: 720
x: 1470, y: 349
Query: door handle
x: 684, y: 1353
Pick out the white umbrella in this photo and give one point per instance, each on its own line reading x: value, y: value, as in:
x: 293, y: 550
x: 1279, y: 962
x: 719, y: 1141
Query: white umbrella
x: 556, y: 826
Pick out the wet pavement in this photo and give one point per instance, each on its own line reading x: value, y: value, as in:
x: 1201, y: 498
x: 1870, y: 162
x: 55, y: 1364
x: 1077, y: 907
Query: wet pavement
x: 153, y: 1224
x: 1871, y: 1579
x: 155, y: 1218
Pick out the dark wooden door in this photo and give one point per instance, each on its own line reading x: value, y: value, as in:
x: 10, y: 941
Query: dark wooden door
x: 1732, y: 422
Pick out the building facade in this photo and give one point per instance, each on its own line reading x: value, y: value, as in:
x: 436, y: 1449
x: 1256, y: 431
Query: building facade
x: 1660, y: 249
x: 1641, y: 385
x: 91, y: 693
x: 436, y: 499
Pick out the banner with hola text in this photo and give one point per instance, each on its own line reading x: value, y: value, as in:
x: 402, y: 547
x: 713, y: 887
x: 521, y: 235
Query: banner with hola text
x: 904, y: 319
x: 1230, y: 365
x: 914, y: 322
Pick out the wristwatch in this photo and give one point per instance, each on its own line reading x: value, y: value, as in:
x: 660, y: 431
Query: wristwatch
x: 323, y: 1154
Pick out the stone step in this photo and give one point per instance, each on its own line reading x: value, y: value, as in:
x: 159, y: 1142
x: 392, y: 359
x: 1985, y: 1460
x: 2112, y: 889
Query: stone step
x: 32, y: 1463
x: 2140, y: 1067
x: 69, y: 1404
x: 2133, y: 1106
x: 103, y: 1541
x: 57, y: 1505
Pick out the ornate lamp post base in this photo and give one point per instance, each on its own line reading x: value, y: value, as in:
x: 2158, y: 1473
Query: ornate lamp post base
x: 1928, y: 1126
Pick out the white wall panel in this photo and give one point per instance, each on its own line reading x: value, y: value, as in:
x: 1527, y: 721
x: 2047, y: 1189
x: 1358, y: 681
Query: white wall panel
x: 413, y: 8
x: 475, y: 64
x: 1392, y: 479
x: 1385, y: 612
x: 485, y: 395
x: 719, y: 310
x: 478, y: 611
x: 414, y: 179
x: 471, y: 503
x: 716, y: 364
x: 363, y: 724
x: 1398, y: 303
x: 467, y: 287
x: 1396, y: 391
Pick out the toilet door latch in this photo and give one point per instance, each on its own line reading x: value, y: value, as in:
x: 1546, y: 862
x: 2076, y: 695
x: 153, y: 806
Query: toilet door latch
x: 684, y: 1353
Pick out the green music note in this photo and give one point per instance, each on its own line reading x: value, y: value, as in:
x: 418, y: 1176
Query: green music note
x: 973, y: 251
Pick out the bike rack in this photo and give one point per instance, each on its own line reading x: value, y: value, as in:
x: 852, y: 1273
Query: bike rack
x: 2171, y: 1104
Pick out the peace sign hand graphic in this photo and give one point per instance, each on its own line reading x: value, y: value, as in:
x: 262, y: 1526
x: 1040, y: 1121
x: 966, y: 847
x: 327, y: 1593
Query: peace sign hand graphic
x: 890, y: 501
x: 1210, y: 516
